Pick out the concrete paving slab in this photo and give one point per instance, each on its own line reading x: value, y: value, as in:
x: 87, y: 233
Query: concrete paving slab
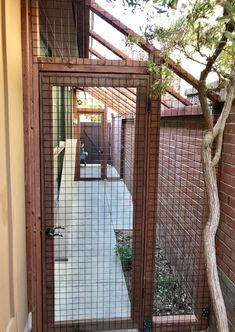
x: 91, y: 284
x: 94, y: 171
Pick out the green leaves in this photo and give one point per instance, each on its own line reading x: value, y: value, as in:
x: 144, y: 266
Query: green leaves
x: 230, y: 35
x: 195, y: 31
x: 230, y: 7
x: 131, y: 40
x: 163, y: 77
x: 163, y: 5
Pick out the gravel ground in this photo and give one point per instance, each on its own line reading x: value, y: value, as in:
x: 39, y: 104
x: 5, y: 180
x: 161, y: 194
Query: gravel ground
x: 171, y: 296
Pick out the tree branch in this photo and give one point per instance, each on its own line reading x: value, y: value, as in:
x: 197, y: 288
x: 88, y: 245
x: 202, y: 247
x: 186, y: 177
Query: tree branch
x: 211, y: 60
x: 202, y: 91
x: 202, y: 87
x: 220, y: 124
x: 218, y: 151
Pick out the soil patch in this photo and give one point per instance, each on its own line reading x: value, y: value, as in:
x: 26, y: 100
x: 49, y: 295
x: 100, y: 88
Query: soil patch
x: 171, y: 296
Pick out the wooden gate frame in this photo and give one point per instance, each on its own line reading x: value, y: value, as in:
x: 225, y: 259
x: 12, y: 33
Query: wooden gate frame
x: 32, y: 167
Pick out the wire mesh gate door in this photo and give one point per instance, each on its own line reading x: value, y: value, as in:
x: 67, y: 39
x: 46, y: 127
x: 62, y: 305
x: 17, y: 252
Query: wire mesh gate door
x: 93, y: 245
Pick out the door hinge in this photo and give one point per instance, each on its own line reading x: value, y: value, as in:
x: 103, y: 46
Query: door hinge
x: 148, y: 325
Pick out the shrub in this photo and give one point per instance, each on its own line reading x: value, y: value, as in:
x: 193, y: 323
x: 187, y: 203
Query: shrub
x: 124, y: 251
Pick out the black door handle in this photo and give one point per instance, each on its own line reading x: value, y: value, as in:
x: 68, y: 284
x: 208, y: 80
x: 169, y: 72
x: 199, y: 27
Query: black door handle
x: 50, y: 231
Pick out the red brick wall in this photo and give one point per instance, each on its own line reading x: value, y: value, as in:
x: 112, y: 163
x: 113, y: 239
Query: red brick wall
x: 181, y: 197
x: 226, y: 232
x: 182, y: 202
x: 116, y: 143
x: 123, y: 145
x: 128, y: 143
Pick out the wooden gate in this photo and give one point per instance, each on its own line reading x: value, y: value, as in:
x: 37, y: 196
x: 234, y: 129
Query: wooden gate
x: 96, y: 274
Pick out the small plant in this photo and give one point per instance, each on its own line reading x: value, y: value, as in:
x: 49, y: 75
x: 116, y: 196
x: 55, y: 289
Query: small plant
x: 124, y: 251
x: 167, y: 281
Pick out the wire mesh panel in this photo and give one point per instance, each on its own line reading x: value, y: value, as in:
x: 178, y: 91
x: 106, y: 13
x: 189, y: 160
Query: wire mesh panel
x: 78, y: 28
x: 60, y: 28
x: 93, y: 220
x: 180, y: 294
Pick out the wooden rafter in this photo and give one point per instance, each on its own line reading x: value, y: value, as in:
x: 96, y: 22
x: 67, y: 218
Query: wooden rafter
x: 176, y: 68
x: 132, y: 90
x: 122, y: 97
x: 132, y: 96
x: 97, y: 54
x: 110, y: 103
x: 170, y: 90
x: 176, y: 95
x: 106, y: 16
x: 108, y: 45
x: 126, y: 93
x: 132, y: 93
x: 165, y: 103
x: 118, y: 99
x: 102, y: 99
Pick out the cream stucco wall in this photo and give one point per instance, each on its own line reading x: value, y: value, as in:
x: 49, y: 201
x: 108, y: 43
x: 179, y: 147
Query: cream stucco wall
x: 13, y: 291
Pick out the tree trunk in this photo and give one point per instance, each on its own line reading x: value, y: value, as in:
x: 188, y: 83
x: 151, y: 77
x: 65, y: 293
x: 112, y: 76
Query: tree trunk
x: 210, y: 233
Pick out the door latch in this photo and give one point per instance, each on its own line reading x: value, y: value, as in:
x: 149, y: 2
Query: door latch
x: 148, y: 325
x: 51, y: 231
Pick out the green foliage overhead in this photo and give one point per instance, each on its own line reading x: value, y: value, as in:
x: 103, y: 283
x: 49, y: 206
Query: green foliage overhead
x: 200, y: 30
x: 167, y: 76
x: 160, y: 5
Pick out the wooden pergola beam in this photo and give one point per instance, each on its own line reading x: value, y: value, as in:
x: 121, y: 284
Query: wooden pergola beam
x: 101, y: 97
x: 176, y: 95
x: 120, y: 101
x: 118, y: 25
x: 126, y: 93
x: 97, y: 54
x: 122, y: 97
x: 165, y: 103
x: 108, y: 45
x: 171, y: 91
x: 132, y: 90
x: 176, y: 68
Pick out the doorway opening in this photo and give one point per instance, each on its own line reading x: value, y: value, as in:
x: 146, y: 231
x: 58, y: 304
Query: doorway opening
x: 92, y: 183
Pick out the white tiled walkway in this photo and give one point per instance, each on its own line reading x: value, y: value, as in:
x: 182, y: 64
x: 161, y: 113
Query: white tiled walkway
x: 90, y: 284
x: 94, y: 171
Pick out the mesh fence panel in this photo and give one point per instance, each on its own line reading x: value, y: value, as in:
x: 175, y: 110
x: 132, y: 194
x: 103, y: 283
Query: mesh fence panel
x: 93, y: 164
